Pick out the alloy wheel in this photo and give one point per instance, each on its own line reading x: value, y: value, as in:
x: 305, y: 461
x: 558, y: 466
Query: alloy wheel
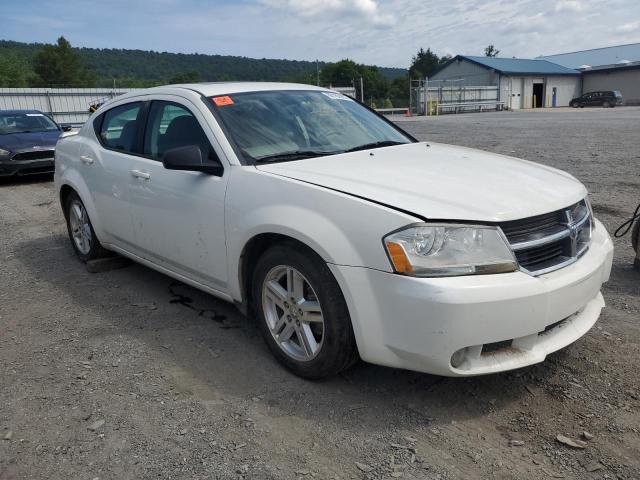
x: 293, y: 313
x: 80, y: 227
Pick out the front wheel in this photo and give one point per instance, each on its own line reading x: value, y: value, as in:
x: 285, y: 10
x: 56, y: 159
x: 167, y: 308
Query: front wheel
x: 81, y: 233
x: 574, y: 105
x: 302, y: 313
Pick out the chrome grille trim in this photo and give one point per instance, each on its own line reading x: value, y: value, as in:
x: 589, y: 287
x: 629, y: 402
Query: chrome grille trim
x: 565, y: 232
x: 549, y: 242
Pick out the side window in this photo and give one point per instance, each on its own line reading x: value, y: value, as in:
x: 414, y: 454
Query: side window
x: 171, y: 125
x: 119, y: 127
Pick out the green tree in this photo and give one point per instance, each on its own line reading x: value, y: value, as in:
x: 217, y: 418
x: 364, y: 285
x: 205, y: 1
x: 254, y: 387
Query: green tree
x: 186, y: 77
x: 342, y: 74
x: 348, y: 73
x: 399, y: 91
x: 138, y: 68
x: 60, y: 65
x: 425, y: 63
x: 491, y: 51
x: 14, y: 72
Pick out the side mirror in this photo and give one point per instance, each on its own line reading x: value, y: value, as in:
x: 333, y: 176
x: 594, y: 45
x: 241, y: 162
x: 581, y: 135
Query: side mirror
x: 190, y: 158
x: 66, y: 128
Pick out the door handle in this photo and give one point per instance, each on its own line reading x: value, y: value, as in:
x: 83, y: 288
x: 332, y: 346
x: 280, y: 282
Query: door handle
x: 87, y: 160
x: 139, y: 174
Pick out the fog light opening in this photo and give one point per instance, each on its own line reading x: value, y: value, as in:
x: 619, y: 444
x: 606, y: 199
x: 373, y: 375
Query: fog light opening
x: 458, y: 357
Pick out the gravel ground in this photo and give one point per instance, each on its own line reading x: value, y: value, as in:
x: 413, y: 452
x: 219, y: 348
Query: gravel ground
x: 128, y: 375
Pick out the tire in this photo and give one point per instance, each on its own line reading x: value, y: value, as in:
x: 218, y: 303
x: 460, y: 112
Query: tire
x: 325, y: 345
x: 574, y: 105
x: 606, y: 104
x: 84, y: 240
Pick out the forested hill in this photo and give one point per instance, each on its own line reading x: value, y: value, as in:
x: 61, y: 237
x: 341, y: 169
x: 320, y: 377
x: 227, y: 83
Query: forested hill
x: 133, y: 66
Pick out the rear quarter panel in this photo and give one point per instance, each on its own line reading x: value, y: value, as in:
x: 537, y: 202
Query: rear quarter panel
x: 68, y: 172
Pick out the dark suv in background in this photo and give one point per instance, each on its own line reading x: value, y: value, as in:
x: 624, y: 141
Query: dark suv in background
x: 27, y: 142
x: 604, y: 99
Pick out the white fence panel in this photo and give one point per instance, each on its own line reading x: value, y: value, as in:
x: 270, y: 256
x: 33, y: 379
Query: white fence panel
x: 64, y: 105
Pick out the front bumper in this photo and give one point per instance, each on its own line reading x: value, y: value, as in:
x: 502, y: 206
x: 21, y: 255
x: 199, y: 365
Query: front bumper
x: 26, y: 167
x: 419, y: 323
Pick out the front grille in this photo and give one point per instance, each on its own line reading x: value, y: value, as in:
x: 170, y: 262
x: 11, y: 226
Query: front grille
x: 546, y: 255
x: 35, y: 155
x: 547, y: 242
x: 521, y: 230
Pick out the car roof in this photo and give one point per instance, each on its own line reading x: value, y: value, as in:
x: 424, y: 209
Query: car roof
x: 17, y: 111
x: 211, y: 89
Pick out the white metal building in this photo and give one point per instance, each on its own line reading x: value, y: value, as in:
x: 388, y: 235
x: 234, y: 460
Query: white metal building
x: 608, y: 68
x: 522, y: 83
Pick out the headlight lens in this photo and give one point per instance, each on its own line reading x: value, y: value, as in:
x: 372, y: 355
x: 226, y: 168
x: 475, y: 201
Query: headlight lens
x: 4, y: 153
x: 449, y: 249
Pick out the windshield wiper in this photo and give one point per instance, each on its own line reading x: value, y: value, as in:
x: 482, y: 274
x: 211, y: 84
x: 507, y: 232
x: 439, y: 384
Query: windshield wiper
x: 296, y: 155
x: 367, y: 146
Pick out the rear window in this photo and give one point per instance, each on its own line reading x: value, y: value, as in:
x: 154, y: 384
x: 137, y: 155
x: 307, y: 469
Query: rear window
x: 119, y: 127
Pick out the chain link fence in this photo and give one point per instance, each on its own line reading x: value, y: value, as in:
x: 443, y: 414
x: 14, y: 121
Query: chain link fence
x: 435, y: 99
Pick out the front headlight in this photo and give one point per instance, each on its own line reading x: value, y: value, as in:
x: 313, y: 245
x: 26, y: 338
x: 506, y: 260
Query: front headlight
x: 439, y: 250
x: 4, y: 153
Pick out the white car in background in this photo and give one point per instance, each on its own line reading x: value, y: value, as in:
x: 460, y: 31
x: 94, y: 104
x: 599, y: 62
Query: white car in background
x: 344, y: 236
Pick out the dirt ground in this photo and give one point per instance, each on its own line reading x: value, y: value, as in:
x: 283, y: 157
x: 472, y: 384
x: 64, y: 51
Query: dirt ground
x: 128, y: 375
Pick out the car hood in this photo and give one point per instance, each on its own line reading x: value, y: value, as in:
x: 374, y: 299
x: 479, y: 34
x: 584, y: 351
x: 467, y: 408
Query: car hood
x: 437, y: 181
x: 26, y: 141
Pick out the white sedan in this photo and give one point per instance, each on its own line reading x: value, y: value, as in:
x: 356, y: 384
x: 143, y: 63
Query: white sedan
x: 341, y: 234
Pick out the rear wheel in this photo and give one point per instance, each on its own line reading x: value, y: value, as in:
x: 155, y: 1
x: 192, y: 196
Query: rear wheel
x: 83, y: 237
x: 606, y: 104
x: 302, y: 313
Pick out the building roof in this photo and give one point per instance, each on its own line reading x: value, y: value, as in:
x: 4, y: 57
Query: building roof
x: 596, y: 57
x: 519, y: 66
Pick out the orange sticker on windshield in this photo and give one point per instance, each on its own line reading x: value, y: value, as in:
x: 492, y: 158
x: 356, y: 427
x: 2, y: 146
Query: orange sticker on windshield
x: 222, y: 101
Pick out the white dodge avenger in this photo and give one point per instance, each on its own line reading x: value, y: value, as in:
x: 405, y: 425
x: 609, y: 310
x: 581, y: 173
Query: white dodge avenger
x: 341, y: 234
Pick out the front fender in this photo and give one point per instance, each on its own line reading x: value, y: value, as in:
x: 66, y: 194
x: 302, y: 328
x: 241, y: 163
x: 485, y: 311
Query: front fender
x: 342, y: 229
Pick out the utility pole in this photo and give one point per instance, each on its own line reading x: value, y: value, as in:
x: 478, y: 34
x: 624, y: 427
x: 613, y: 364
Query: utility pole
x: 317, y: 72
x: 361, y: 90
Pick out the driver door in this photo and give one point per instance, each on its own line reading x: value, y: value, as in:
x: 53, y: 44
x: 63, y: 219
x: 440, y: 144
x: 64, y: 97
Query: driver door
x: 178, y: 216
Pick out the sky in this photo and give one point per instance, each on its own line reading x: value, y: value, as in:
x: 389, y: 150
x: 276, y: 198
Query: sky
x: 380, y: 32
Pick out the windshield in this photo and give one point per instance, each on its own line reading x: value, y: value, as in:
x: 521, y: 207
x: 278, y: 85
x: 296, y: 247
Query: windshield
x: 292, y: 124
x: 25, y: 123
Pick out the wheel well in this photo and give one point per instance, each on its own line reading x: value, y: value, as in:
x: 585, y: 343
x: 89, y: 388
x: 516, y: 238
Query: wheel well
x: 65, y: 191
x: 252, y: 251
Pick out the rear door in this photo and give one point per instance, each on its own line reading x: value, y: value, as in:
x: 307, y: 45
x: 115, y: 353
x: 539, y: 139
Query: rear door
x: 105, y: 167
x: 178, y: 216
